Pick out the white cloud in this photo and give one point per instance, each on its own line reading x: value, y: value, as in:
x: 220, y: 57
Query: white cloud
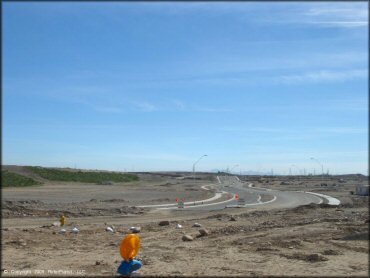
x: 145, y: 106
x: 322, y: 76
x: 347, y: 24
x: 179, y: 105
x: 295, y: 132
x: 339, y: 15
x: 212, y: 109
x: 342, y: 130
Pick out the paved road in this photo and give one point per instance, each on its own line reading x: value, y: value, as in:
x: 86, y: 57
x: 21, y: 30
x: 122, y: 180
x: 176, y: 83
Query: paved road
x: 253, y: 197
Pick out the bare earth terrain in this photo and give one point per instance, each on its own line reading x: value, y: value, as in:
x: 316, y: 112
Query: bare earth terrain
x: 310, y: 240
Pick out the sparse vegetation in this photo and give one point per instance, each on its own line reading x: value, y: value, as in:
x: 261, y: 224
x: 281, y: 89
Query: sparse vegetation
x: 88, y: 177
x: 9, y: 179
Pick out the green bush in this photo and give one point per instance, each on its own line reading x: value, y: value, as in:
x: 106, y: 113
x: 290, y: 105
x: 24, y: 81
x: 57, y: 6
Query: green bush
x: 88, y: 177
x: 9, y: 179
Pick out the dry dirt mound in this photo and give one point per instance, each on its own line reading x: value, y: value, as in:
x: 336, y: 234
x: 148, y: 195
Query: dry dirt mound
x: 15, y: 209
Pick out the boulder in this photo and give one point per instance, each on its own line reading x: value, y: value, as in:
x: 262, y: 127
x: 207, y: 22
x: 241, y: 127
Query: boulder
x: 164, y: 223
x: 187, y: 238
x: 204, y: 232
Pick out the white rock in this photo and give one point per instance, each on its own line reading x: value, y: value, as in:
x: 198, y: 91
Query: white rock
x: 109, y: 229
x: 178, y: 226
x: 135, y: 229
x: 62, y: 231
x: 75, y: 230
x: 187, y: 238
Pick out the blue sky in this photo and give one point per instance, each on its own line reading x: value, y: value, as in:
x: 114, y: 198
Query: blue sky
x: 154, y: 86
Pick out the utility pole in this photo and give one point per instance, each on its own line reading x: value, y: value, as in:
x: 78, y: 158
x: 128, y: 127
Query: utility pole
x: 322, y: 168
x: 196, y: 163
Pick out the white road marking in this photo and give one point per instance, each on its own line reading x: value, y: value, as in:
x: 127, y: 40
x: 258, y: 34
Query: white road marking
x: 204, y: 187
x: 331, y: 200
x: 215, y: 197
x: 253, y: 204
x: 204, y: 205
x: 196, y: 204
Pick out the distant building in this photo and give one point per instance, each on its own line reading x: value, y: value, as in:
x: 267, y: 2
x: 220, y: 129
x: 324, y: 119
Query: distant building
x: 362, y: 190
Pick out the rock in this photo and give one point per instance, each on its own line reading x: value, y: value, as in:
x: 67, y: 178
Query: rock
x: 75, y: 230
x: 315, y: 258
x: 187, y: 238
x: 62, y: 231
x: 330, y: 252
x: 178, y: 226
x: 197, y: 225
x: 204, y: 232
x: 232, y: 218
x: 97, y: 263
x: 54, y: 232
x: 164, y: 223
x: 109, y: 229
x: 135, y: 230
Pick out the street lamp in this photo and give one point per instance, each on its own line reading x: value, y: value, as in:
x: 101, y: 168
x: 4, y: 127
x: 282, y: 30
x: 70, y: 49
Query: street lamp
x: 322, y: 169
x: 196, y: 163
x: 233, y: 168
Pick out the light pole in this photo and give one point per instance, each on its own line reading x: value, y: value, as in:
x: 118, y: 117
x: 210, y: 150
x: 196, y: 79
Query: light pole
x: 196, y: 163
x: 293, y: 165
x: 233, y: 168
x: 322, y: 169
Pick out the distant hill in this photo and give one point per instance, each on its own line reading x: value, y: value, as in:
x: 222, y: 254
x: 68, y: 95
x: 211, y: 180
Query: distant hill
x: 9, y: 179
x: 44, y: 174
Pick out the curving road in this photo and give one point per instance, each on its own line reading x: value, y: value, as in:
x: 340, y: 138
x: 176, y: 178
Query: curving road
x: 253, y: 197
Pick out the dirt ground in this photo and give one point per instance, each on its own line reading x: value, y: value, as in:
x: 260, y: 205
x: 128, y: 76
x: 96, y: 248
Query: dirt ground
x: 311, y: 240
